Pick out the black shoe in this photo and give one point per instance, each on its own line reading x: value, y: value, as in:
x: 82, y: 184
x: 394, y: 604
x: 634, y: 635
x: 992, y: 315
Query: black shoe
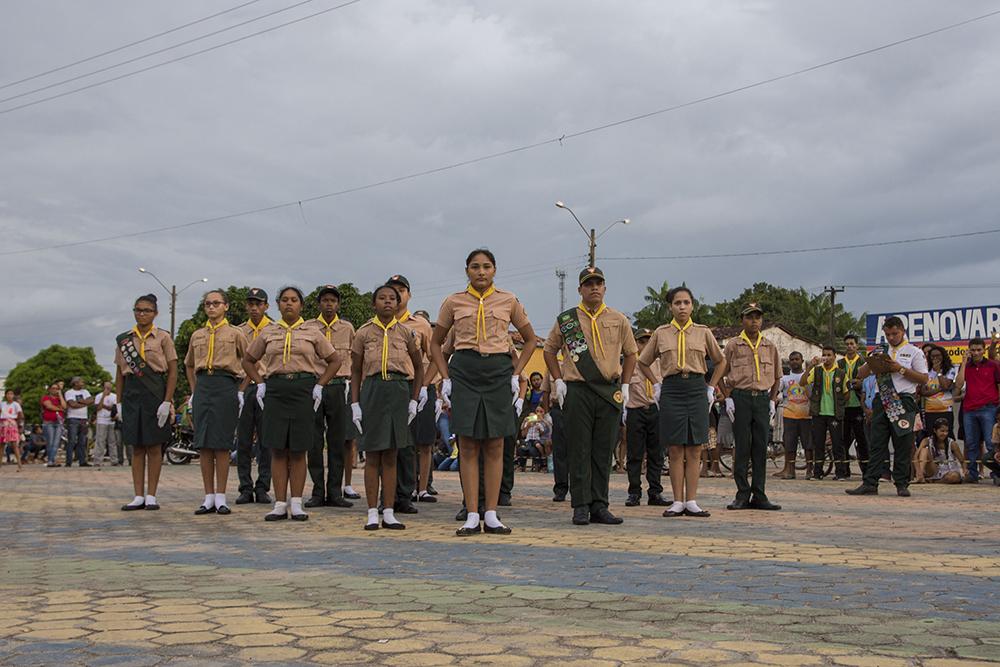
x: 244, y: 498
x: 426, y: 498
x: 204, y: 510
x: 632, y: 500
x: 739, y: 505
x: 431, y: 490
x: 132, y: 508
x: 605, y: 517
x: 353, y: 496
x: 559, y: 498
x: 275, y: 517
x: 300, y: 517
x: 863, y: 490
x: 261, y: 498
x: 371, y: 526
x: 902, y: 491
x: 393, y: 526
x: 504, y: 501
x: 313, y: 501
x: 152, y: 507
x: 338, y: 502
x: 499, y: 530
x: 85, y: 465
x: 581, y: 516
x: 462, y: 515
x: 657, y: 499
x: 405, y: 508
x: 223, y: 510
x: 763, y: 505
x: 466, y: 532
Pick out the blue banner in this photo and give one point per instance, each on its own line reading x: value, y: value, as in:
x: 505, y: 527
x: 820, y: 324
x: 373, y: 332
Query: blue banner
x: 949, y: 328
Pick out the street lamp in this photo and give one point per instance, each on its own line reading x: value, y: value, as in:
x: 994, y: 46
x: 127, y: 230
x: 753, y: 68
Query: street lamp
x: 592, y: 235
x: 173, y: 292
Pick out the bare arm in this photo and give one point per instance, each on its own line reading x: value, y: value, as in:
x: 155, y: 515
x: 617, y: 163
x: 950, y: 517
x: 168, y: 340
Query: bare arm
x: 250, y: 368
x: 417, y: 357
x: 357, y: 360
x: 530, y: 343
x: 192, y: 378
x: 628, y: 367
x: 552, y: 364
x: 332, y: 364
x: 437, y: 356
x: 720, y: 372
x: 171, y: 381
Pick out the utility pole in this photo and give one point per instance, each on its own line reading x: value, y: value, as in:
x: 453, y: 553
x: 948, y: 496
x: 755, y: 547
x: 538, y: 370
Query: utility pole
x: 561, y: 275
x: 173, y: 291
x: 593, y: 247
x: 833, y: 290
x: 173, y: 308
x: 592, y: 235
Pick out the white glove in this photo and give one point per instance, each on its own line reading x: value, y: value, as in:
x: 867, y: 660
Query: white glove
x: 261, y: 389
x: 240, y: 399
x: 163, y: 414
x: 770, y: 406
x: 560, y: 391
x: 624, y: 414
x: 731, y: 409
x: 423, y: 399
x: 356, y: 415
x: 515, y: 386
x: 317, y: 396
x: 411, y: 411
x: 624, y: 394
x: 711, y: 395
x: 190, y: 402
x: 438, y: 409
x: 656, y: 393
x: 446, y: 391
x: 347, y: 391
x: 518, y: 406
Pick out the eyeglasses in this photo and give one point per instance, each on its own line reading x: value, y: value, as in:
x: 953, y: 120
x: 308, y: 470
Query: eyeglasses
x: 214, y: 304
x: 143, y: 311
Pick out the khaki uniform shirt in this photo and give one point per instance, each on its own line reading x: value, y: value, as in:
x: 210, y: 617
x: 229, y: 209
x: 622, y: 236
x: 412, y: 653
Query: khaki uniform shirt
x: 616, y: 335
x: 640, y: 390
x: 423, y: 331
x: 308, y: 348
x: 368, y: 343
x: 159, y: 351
x: 663, y: 346
x: 252, y: 335
x: 742, y: 372
x: 502, y: 309
x: 341, y: 335
x: 227, y: 356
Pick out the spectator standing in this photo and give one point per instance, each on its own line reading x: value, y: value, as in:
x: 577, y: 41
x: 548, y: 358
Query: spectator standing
x: 854, y: 417
x: 979, y: 377
x: 937, y: 393
x: 795, y: 417
x: 105, y: 434
x: 53, y: 414
x: 78, y: 399
x: 827, y: 400
x: 11, y: 424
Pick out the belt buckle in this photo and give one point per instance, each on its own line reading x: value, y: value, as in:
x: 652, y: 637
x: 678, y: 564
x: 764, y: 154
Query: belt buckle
x: 483, y: 355
x: 210, y: 371
x: 289, y: 376
x: 685, y: 375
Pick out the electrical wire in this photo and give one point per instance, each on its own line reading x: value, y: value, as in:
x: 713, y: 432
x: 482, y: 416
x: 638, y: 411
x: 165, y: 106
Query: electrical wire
x: 127, y: 46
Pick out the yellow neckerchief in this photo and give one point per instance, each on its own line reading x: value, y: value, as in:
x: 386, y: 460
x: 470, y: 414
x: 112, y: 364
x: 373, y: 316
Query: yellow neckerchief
x: 328, y: 326
x: 894, y: 350
x: 595, y: 333
x: 481, y: 312
x: 405, y: 317
x: 286, y: 352
x: 264, y: 321
x: 754, y: 348
x: 649, y: 389
x: 851, y: 364
x: 828, y: 379
x: 681, y: 342
x: 211, y: 340
x: 385, y: 343
x: 142, y: 339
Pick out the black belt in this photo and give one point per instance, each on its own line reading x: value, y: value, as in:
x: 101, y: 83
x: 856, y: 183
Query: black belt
x: 685, y: 375
x: 485, y: 355
x: 291, y: 376
x: 212, y: 371
x: 338, y: 380
x: 753, y: 392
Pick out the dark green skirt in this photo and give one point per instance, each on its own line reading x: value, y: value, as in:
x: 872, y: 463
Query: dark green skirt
x: 288, y: 418
x: 139, y: 404
x: 482, y: 404
x: 215, y: 411
x: 684, y: 410
x: 384, y: 412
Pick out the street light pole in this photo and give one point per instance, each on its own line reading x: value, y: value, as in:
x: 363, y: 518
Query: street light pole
x: 592, y: 235
x: 173, y: 292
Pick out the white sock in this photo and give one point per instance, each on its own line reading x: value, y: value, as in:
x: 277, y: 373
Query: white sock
x: 473, y: 520
x: 138, y: 500
x: 424, y: 494
x: 677, y: 506
x: 349, y: 491
x: 150, y: 500
x: 297, y: 506
x: 220, y: 500
x: 372, y: 515
x: 491, y: 519
x: 692, y: 506
x: 280, y: 507
x: 389, y: 515
x: 209, y: 501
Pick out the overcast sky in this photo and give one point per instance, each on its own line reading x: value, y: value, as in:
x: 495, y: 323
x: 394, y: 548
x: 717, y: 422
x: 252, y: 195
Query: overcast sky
x: 902, y: 143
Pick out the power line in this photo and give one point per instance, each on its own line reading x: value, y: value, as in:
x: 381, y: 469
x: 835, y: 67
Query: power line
x: 979, y: 286
x: 172, y: 60
x: 470, y: 161
x: 795, y: 251
x: 126, y: 46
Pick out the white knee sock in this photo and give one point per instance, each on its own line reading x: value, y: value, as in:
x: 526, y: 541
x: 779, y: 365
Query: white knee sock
x: 491, y: 519
x: 349, y: 491
x: 676, y: 506
x: 389, y: 515
x: 372, y: 515
x: 220, y: 500
x: 692, y: 506
x: 150, y: 500
x: 280, y: 507
x: 138, y: 500
x: 297, y: 506
x: 209, y: 501
x: 472, y: 521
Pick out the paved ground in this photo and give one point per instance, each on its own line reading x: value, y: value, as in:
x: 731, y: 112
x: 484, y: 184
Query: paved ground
x: 831, y: 580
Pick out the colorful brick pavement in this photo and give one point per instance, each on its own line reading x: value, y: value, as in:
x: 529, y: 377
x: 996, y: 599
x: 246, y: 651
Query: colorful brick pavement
x: 832, y: 580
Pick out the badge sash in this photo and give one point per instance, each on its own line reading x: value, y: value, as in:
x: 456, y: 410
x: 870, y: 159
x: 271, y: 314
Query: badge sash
x: 579, y: 351
x: 151, y: 380
x: 900, y: 419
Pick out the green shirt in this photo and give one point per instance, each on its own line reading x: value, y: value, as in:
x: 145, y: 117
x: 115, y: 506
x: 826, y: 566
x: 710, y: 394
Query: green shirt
x: 826, y: 401
x: 852, y: 397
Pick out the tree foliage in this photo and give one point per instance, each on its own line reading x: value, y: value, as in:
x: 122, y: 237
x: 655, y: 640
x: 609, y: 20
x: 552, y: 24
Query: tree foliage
x: 31, y: 377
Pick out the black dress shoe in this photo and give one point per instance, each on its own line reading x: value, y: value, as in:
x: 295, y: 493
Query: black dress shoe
x: 559, y: 498
x: 275, y: 517
x: 300, y: 517
x: 670, y: 513
x: 152, y: 507
x: 462, y: 515
x: 223, y: 510
x: 263, y: 498
x: 338, y: 502
x: 405, y: 508
x: 763, y: 505
x: 700, y: 513
x: 431, y: 490
x: 863, y: 490
x: 581, y: 516
x: 657, y: 499
x: 244, y: 498
x: 632, y: 500
x: 205, y: 510
x: 902, y: 491
x: 738, y: 505
x: 499, y: 530
x: 426, y: 498
x: 352, y: 496
x: 371, y: 526
x: 605, y: 517
x: 132, y: 508
x: 313, y: 502
x: 466, y: 532
x: 393, y: 526
x: 504, y: 501
x: 85, y: 465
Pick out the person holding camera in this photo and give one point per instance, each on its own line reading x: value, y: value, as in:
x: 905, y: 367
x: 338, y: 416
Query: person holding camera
x: 105, y: 434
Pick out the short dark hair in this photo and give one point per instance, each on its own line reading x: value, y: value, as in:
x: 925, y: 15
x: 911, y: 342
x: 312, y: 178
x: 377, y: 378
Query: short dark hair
x: 295, y: 289
x: 977, y: 341
x: 794, y: 353
x: 148, y: 298
x: 672, y: 294
x: 220, y: 292
x: 830, y: 347
x: 851, y: 337
x: 533, y: 374
x: 480, y: 251
x: 893, y: 322
x: 387, y: 286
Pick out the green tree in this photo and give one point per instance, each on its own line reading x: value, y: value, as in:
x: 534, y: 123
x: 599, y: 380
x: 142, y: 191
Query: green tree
x: 31, y: 377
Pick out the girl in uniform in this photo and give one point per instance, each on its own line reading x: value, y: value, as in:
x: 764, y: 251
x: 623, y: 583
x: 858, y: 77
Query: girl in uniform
x: 290, y: 396
x: 11, y: 423
x: 386, y: 377
x: 145, y: 378
x: 214, y: 365
x: 681, y: 347
x: 486, y: 381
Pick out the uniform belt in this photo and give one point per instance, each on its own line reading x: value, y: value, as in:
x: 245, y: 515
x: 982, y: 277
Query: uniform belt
x: 337, y: 380
x: 752, y: 392
x: 392, y: 375
x: 292, y: 376
x: 212, y: 371
x: 484, y: 355
x: 685, y: 375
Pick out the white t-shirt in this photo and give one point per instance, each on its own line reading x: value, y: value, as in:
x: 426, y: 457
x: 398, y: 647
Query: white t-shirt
x: 10, y: 410
x: 908, y: 356
x: 104, y: 408
x: 76, y: 395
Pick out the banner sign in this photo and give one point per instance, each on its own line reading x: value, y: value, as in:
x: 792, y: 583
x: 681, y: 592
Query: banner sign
x: 950, y: 328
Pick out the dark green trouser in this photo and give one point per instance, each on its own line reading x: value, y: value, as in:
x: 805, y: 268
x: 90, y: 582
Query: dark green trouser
x: 507, y: 481
x: 247, y: 449
x: 878, y: 447
x: 592, y: 426
x: 329, y: 429
x: 406, y: 473
x: 753, y: 417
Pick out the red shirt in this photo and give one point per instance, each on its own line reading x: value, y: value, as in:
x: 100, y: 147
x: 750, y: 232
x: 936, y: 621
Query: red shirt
x: 981, y: 382
x: 51, y: 415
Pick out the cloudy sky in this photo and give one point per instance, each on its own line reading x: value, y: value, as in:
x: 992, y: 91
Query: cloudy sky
x: 894, y: 145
